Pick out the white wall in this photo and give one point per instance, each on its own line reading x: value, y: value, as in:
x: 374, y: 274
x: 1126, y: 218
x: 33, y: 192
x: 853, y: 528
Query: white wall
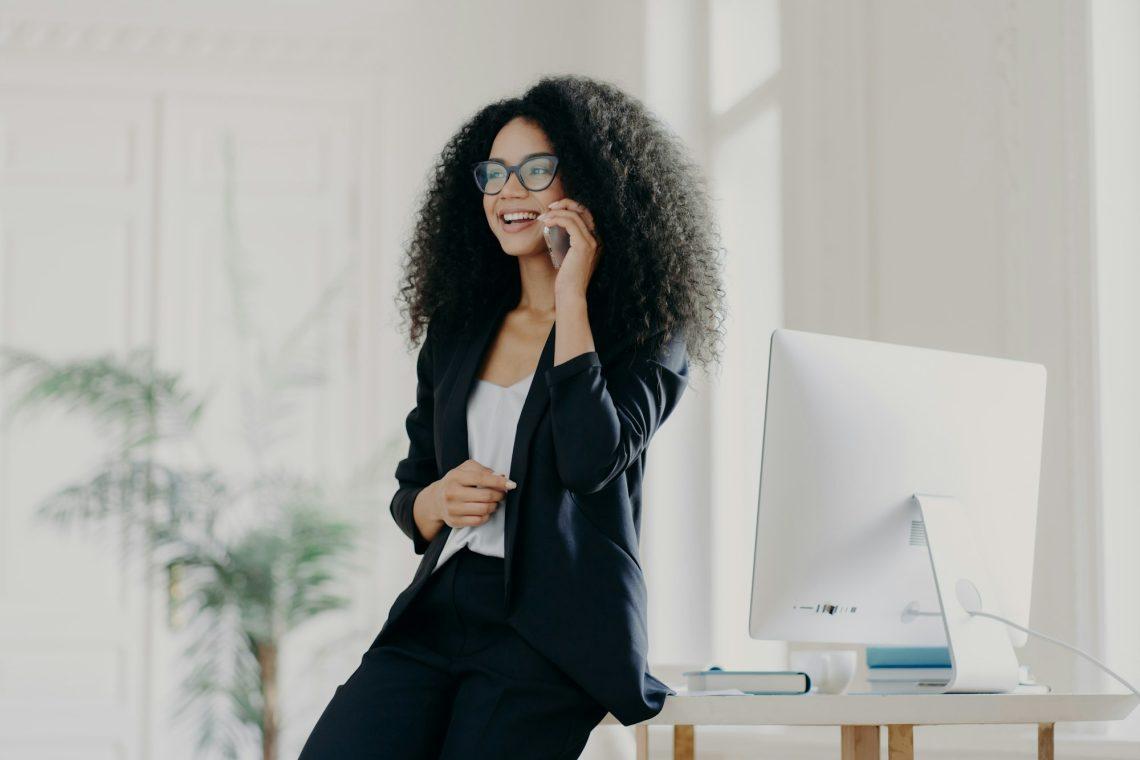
x: 936, y: 161
x: 1116, y: 120
x: 677, y: 522
x: 937, y: 157
x: 113, y: 237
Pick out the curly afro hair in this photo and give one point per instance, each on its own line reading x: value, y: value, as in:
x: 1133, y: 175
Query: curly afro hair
x: 660, y: 270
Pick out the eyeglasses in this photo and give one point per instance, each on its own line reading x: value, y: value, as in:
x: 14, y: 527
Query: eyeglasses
x: 536, y: 172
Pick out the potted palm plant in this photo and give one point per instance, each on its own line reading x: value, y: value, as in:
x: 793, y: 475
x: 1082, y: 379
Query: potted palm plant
x: 248, y: 554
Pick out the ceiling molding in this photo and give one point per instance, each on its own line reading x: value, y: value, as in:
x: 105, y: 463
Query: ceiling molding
x: 118, y: 40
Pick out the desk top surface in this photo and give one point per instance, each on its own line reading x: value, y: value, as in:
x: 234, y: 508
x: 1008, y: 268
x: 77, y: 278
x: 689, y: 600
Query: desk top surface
x: 882, y: 709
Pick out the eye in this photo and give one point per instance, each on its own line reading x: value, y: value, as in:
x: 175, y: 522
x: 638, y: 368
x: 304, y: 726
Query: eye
x: 537, y: 167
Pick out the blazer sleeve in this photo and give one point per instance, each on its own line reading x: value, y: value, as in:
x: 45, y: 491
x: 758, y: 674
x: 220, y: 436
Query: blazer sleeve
x: 418, y: 470
x: 603, y: 419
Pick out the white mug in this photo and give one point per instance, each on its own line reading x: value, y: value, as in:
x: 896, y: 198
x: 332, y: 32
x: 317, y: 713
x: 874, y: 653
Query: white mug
x: 830, y: 671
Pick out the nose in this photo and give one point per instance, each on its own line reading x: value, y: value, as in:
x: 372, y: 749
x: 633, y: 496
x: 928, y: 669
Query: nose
x: 518, y: 189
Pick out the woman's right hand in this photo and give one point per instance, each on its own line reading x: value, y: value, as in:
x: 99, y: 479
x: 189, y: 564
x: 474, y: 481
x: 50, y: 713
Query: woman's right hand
x: 468, y: 494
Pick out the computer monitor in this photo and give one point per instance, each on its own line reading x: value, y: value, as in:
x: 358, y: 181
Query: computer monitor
x: 853, y: 429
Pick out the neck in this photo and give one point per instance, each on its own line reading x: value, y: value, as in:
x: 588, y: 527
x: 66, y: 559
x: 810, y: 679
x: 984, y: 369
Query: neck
x: 536, y: 275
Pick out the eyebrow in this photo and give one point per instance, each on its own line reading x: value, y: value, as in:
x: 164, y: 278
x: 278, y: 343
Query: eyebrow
x: 524, y: 158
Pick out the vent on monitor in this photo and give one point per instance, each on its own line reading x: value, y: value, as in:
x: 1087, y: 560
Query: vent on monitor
x: 917, y: 533
x: 826, y: 608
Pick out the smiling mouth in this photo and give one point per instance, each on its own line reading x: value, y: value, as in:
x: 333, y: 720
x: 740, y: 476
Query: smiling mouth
x: 516, y: 225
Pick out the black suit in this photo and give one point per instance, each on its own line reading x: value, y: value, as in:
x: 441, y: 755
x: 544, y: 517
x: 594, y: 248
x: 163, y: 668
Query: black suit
x: 574, y: 585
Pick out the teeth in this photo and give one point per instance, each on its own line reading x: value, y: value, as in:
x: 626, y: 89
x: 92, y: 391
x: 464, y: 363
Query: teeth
x: 517, y: 215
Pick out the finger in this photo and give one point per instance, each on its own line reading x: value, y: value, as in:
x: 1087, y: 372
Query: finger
x: 467, y: 508
x: 497, y: 480
x: 478, y: 475
x: 487, y: 476
x: 472, y: 493
x: 571, y: 222
x: 571, y: 204
x: 461, y: 522
x: 576, y: 206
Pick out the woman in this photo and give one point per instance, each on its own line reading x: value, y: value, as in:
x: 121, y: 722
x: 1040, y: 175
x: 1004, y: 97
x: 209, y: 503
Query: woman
x: 539, y: 389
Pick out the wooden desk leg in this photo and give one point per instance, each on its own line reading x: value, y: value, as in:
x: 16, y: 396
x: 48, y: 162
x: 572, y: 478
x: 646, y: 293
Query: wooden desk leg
x: 683, y: 743
x: 1044, y: 741
x: 900, y: 742
x: 860, y: 742
x: 641, y: 739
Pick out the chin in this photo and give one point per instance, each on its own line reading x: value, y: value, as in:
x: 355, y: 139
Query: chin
x: 517, y: 247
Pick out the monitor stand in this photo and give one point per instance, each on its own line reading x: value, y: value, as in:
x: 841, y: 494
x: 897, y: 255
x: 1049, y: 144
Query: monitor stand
x: 981, y: 653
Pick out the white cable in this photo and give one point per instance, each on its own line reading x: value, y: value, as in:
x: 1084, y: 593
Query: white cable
x: 1088, y: 657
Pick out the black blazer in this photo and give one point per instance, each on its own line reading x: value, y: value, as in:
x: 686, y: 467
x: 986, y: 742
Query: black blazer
x: 574, y: 585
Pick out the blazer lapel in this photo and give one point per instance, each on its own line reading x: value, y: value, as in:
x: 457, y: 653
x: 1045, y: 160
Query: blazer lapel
x: 537, y: 400
x: 454, y: 438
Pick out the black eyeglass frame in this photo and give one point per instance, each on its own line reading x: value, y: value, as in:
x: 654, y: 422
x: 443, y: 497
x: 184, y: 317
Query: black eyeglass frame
x: 516, y: 170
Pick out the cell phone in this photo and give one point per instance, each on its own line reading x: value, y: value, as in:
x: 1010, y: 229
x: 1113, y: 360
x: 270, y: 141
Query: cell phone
x: 557, y: 243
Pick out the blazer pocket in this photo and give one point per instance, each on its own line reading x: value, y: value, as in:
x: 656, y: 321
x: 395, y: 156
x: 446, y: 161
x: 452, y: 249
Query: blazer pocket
x: 595, y: 523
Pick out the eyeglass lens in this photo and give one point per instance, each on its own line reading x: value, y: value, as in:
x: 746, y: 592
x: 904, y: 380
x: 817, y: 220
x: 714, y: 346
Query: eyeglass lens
x: 535, y: 173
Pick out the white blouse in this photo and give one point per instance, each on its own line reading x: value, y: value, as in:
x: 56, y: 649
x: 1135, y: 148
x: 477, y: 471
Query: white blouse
x: 492, y: 419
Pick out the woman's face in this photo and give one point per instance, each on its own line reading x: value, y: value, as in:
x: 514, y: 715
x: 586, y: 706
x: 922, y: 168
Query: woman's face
x: 517, y: 139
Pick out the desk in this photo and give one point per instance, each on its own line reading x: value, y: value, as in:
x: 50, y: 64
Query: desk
x: 861, y: 716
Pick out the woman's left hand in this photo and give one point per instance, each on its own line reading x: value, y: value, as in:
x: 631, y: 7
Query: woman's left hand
x: 582, y: 259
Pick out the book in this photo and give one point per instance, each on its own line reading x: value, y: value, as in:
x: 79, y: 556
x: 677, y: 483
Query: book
x: 922, y: 670
x: 908, y: 657
x: 918, y: 687
x: 909, y: 674
x: 748, y: 681
x: 906, y: 687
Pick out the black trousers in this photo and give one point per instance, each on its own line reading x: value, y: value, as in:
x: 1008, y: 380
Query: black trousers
x: 453, y: 681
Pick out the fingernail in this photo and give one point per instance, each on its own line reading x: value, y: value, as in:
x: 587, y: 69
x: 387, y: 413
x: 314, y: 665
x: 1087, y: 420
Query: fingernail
x: 543, y: 216
x: 511, y: 484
